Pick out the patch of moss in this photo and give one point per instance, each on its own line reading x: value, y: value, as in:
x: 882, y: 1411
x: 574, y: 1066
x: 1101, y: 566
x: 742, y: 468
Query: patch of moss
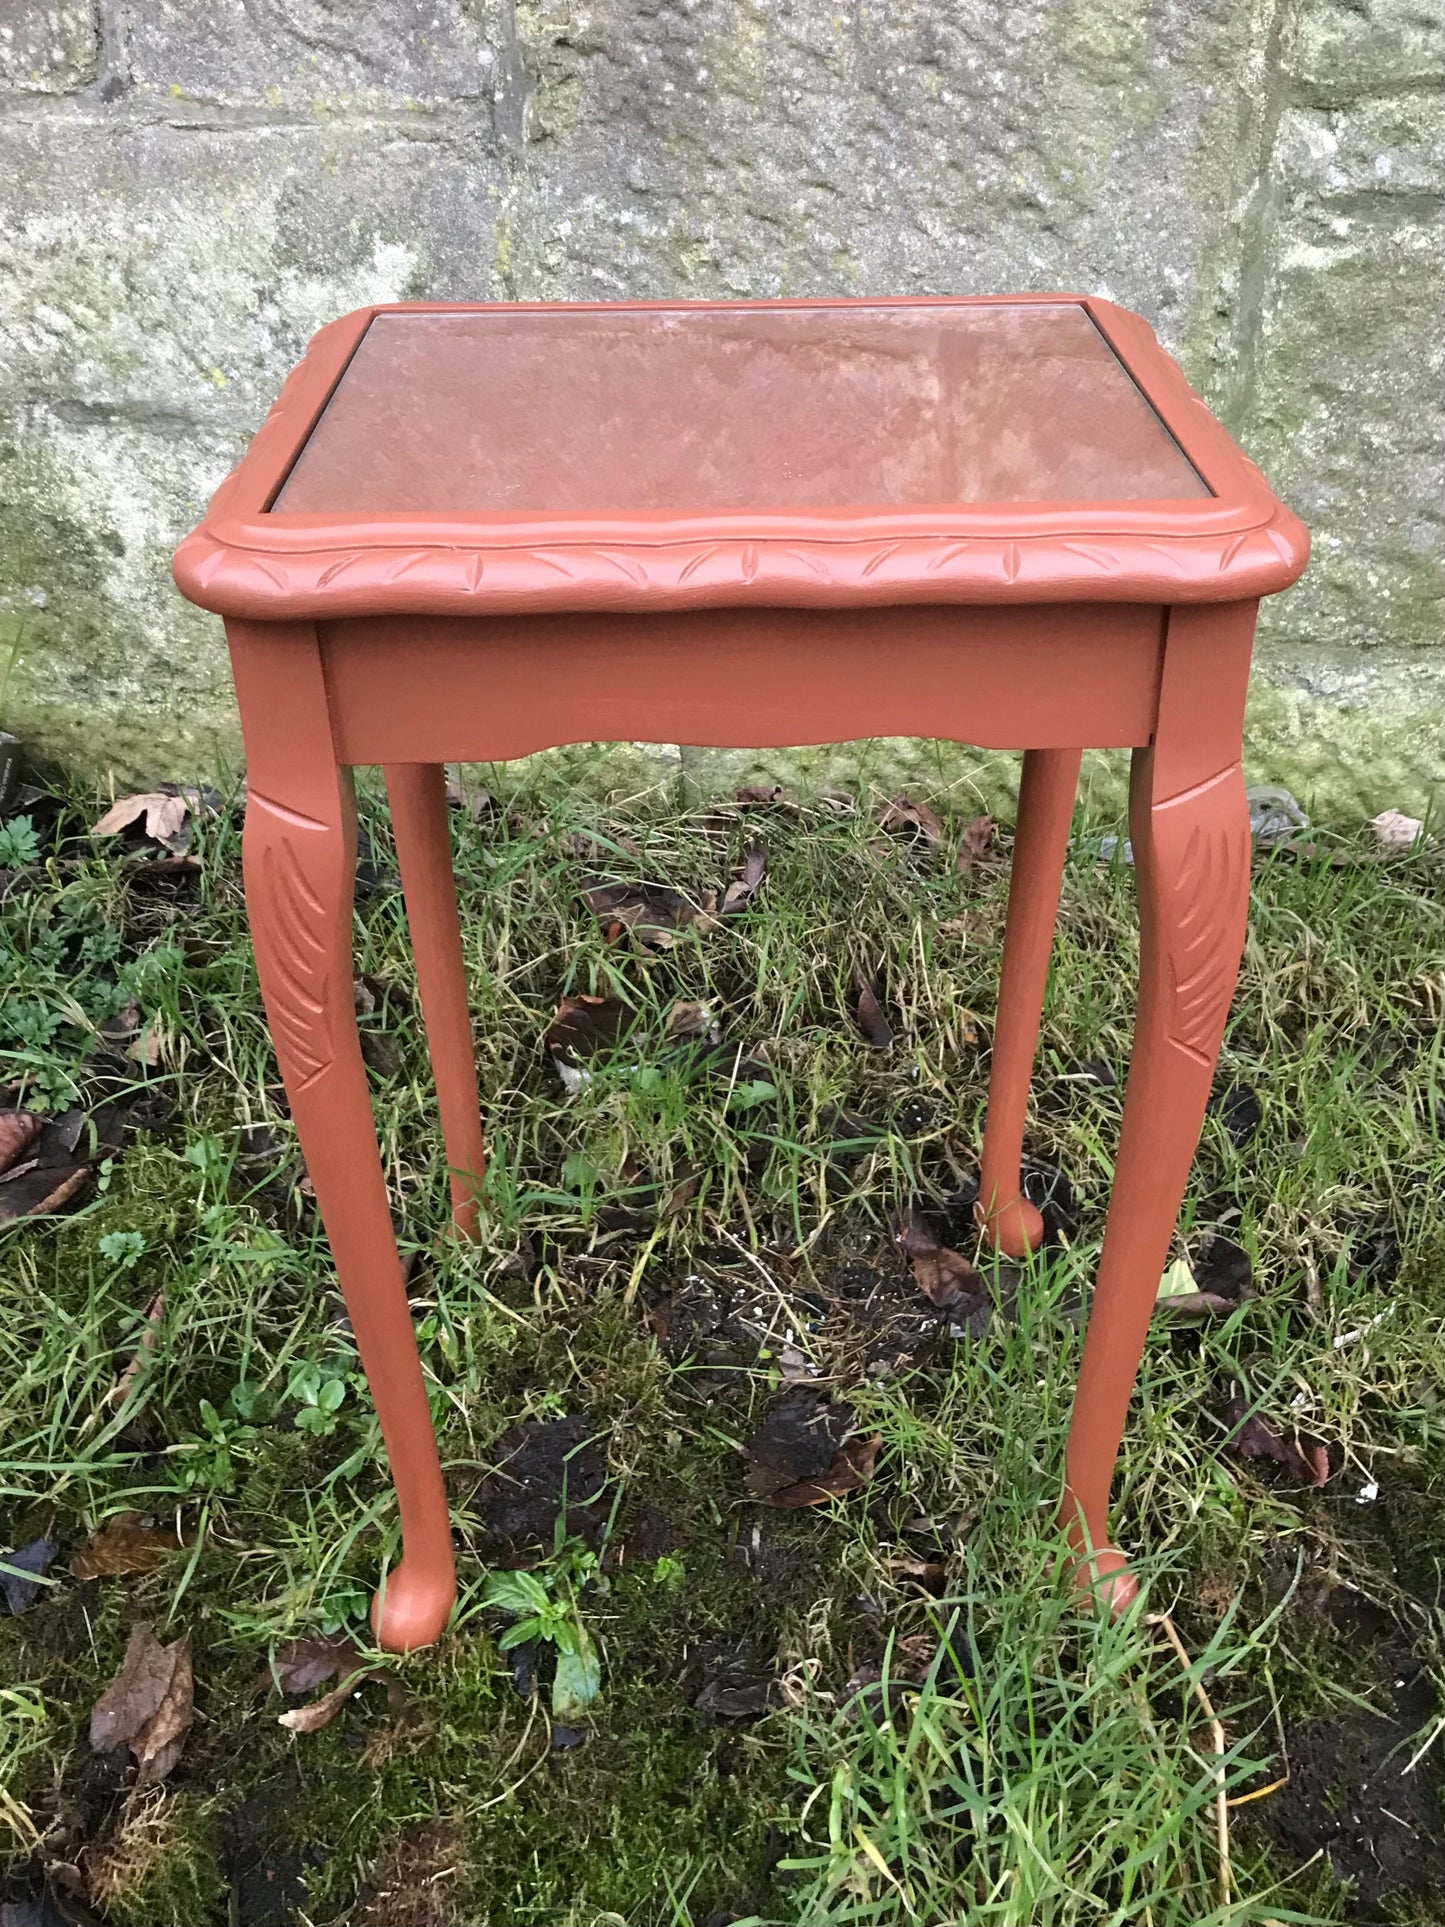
x: 160, y: 1865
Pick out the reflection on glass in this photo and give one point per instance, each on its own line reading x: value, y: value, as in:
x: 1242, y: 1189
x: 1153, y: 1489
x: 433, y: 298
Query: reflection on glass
x: 577, y: 412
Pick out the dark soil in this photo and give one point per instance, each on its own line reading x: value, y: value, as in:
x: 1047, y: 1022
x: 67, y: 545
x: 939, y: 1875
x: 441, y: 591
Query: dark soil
x: 1348, y: 1796
x: 546, y: 1472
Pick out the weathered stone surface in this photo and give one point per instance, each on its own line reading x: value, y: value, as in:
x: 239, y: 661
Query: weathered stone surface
x: 1348, y: 408
x: 161, y: 282
x: 1344, y: 47
x: 1258, y: 177
x: 309, y: 53
x: 725, y: 149
x: 48, y: 46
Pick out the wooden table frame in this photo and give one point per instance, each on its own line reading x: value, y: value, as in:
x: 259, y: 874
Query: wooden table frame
x: 413, y: 641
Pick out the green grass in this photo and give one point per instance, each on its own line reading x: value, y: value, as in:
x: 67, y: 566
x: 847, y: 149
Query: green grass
x: 1039, y: 1767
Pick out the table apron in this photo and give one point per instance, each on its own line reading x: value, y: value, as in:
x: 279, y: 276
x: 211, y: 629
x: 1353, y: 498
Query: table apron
x: 1038, y: 676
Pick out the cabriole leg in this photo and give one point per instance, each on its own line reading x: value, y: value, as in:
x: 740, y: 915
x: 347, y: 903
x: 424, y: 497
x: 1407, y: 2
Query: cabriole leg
x: 1046, y: 806
x: 1192, y: 858
x: 299, y: 855
x: 423, y: 847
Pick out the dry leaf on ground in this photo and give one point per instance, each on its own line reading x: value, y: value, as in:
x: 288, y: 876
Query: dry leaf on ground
x: 904, y: 817
x: 318, y: 1713
x: 148, y: 1706
x: 582, y: 1027
x: 653, y: 913
x: 39, y: 1167
x: 158, y: 1745
x: 1396, y: 831
x: 1212, y: 1281
x: 164, y: 815
x: 21, y: 1574
x: 124, y: 1544
x: 18, y: 1131
x: 1305, y: 1460
x: 976, y: 838
x: 301, y: 1665
x: 27, y: 1191
x: 872, y: 1020
x: 741, y: 891
x: 805, y: 1452
x: 943, y: 1276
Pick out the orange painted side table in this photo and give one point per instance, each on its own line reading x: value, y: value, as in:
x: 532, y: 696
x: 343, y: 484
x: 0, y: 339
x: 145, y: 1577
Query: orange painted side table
x: 467, y: 533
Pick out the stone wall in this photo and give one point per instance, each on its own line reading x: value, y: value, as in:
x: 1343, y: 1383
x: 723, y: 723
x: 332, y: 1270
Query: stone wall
x: 189, y: 187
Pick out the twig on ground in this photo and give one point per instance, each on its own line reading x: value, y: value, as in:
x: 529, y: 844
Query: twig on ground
x: 1216, y: 1730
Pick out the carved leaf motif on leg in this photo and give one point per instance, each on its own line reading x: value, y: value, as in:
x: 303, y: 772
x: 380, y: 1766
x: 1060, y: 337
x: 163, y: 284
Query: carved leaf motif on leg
x: 1205, y: 904
x: 290, y: 941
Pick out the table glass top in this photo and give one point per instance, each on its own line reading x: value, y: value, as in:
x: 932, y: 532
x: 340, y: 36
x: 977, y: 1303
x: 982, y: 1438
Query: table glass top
x: 587, y: 412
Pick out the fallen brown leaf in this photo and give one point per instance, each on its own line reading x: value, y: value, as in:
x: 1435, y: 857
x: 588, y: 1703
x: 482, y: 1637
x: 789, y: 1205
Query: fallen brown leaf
x: 149, y: 1338
x: 654, y: 914
x: 681, y: 1195
x: 148, y: 1706
x: 125, y: 1544
x: 944, y: 1277
x: 805, y: 1452
x: 318, y: 1713
x: 26, y: 1192
x: 157, y: 1747
x: 1306, y: 1461
x: 1214, y: 1280
x: 164, y: 815
x: 301, y: 1665
x: 850, y: 1471
x: 691, y: 1020
x: 134, y: 1694
x: 905, y: 817
x: 869, y: 1012
x: 976, y: 838
x: 741, y: 891
x: 585, y: 1025
x: 18, y: 1131
x: 380, y: 1052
